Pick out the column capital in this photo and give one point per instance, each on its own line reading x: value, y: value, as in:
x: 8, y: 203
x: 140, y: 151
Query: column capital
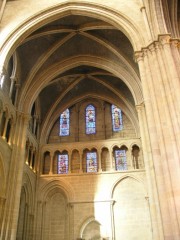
x: 164, y: 38
x: 175, y: 42
x: 25, y: 116
x: 138, y: 56
x: 13, y: 78
x: 140, y: 106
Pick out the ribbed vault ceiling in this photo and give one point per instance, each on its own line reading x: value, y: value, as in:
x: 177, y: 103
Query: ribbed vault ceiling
x: 67, y: 38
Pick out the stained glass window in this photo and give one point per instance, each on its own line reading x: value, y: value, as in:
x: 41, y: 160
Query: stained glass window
x: 62, y: 164
x: 64, y: 123
x: 90, y: 120
x: 91, y: 161
x: 116, y: 118
x: 120, y: 158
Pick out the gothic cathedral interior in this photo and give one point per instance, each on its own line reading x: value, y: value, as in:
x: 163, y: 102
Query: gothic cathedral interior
x: 90, y: 120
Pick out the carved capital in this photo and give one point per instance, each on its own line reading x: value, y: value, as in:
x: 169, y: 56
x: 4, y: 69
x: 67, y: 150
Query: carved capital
x: 140, y: 106
x: 164, y: 39
x: 13, y: 78
x: 175, y: 43
x: 139, y: 56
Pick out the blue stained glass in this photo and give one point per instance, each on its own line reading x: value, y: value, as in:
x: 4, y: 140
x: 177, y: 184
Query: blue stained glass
x: 62, y: 164
x: 90, y: 120
x: 116, y: 118
x: 91, y: 160
x: 120, y: 158
x: 64, y: 123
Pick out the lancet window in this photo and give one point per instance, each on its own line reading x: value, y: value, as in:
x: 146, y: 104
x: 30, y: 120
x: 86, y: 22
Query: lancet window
x: 117, y: 123
x: 64, y: 123
x: 90, y: 119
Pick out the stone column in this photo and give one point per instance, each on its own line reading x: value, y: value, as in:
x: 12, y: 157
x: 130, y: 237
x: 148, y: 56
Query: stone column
x: 17, y: 92
x: 11, y: 210
x: 31, y: 159
x: 80, y: 154
x: 13, y: 80
x: 111, y: 159
x: 150, y: 175
x: 112, y: 219
x: 11, y: 132
x: 99, y: 161
x: 38, y: 221
x: 2, y: 203
x: 51, y: 163
x: 1, y: 114
x: 5, y: 127
x: 148, y: 29
x: 2, y: 7
x: 69, y: 162
x: 129, y: 160
x: 34, y: 124
x: 27, y: 152
x: 163, y: 131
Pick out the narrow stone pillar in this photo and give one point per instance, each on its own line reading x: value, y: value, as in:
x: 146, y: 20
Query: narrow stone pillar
x: 70, y: 162
x: 111, y: 160
x: 112, y: 219
x: 11, y: 209
x: 11, y: 132
x: 13, y: 80
x: 5, y: 127
x: 2, y: 203
x: 129, y: 160
x: 51, y: 162
x: 1, y: 114
x: 38, y: 220
x: 31, y: 160
x: 99, y: 161
x: 27, y: 152
x: 17, y: 92
x: 148, y: 29
x: 34, y: 124
x: 80, y: 154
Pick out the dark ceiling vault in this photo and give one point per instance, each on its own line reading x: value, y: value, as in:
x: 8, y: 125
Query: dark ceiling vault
x: 67, y: 38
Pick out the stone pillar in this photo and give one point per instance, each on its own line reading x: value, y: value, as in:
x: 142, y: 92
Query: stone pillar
x: 17, y: 92
x: 111, y: 160
x: 38, y: 221
x: 5, y: 127
x: 34, y: 124
x: 155, y: 214
x: 27, y: 152
x: 148, y: 29
x: 69, y: 162
x: 2, y: 7
x: 2, y: 203
x: 160, y: 82
x: 1, y: 114
x: 11, y: 209
x: 31, y: 159
x: 99, y: 161
x: 112, y: 219
x: 13, y: 80
x: 51, y: 163
x: 11, y: 132
x: 80, y: 154
x: 129, y: 160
